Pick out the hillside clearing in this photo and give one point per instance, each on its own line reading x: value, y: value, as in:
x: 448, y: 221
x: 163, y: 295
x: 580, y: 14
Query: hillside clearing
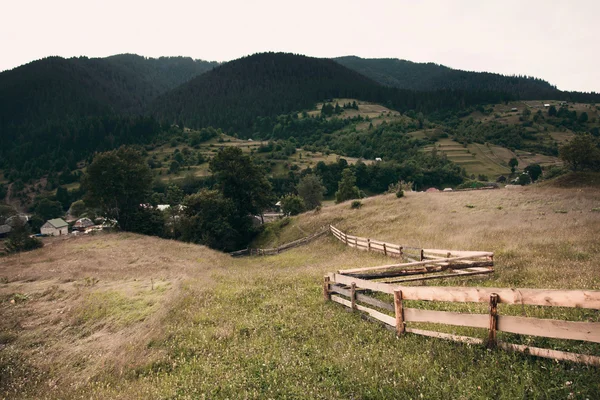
x: 127, y: 316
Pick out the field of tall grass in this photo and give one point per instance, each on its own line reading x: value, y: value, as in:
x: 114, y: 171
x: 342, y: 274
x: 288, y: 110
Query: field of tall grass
x: 125, y: 316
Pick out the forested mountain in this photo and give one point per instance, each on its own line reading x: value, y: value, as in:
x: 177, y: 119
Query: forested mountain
x: 232, y: 95
x: 162, y: 73
x: 429, y: 76
x: 56, y: 111
x: 55, y: 87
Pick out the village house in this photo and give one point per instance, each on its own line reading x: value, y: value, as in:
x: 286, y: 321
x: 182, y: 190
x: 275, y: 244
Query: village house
x: 55, y: 227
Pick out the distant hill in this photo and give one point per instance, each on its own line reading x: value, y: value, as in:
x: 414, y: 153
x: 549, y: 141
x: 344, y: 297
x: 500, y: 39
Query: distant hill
x: 55, y: 87
x: 162, y: 73
x: 429, y: 76
x: 234, y: 94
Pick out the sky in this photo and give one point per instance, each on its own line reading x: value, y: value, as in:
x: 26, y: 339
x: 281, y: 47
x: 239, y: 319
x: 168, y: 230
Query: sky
x: 554, y: 40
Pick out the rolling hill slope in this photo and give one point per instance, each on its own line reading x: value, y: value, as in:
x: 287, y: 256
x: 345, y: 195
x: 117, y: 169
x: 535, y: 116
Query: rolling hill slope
x: 124, y: 316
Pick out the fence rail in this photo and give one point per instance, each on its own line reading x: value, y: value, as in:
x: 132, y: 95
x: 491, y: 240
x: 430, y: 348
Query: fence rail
x: 277, y: 250
x: 425, y: 264
x: 350, y: 291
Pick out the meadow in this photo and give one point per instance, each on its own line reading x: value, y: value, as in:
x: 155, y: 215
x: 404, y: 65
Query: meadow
x: 125, y: 316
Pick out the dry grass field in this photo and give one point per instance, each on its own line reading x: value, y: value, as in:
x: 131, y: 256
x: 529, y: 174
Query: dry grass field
x: 123, y: 316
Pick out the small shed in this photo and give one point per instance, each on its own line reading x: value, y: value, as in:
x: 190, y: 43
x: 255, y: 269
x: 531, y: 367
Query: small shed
x: 55, y: 227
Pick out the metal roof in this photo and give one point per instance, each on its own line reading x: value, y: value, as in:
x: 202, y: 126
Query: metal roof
x: 57, y: 222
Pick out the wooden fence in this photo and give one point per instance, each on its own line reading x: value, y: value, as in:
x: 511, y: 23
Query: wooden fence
x: 425, y: 264
x: 354, y: 293
x: 277, y: 250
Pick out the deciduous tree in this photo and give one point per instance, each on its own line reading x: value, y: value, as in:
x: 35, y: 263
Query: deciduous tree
x: 118, y: 182
x: 347, y: 188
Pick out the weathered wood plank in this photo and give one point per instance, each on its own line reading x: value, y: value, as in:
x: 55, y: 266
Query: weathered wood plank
x: 440, y: 276
x: 553, y: 354
x: 539, y: 297
x: 399, y: 312
x: 340, y: 290
x: 446, y: 317
x: 374, y: 302
x: 373, y: 313
x: 551, y: 328
x: 427, y: 269
x: 404, y: 265
x: 448, y: 336
x: 362, y: 298
x: 458, y: 252
x: 378, y: 315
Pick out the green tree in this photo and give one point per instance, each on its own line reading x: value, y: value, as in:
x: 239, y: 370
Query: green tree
x: 48, y: 209
x: 78, y: 208
x: 583, y: 152
x: 524, y: 179
x: 311, y: 190
x: 174, y: 167
x: 242, y: 181
x: 534, y: 171
x: 292, y: 204
x: 513, y: 163
x: 210, y: 219
x: 583, y: 118
x: 347, y: 188
x: 552, y: 111
x: 20, y: 238
x: 174, y: 195
x: 118, y: 182
x: 62, y: 196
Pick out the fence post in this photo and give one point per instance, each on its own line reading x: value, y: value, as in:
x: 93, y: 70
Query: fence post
x: 384, y: 250
x: 353, y: 295
x: 399, y: 311
x: 368, y: 244
x: 326, y: 292
x: 346, y: 237
x: 400, y: 251
x: 356, y: 242
x: 422, y: 255
x: 492, y: 341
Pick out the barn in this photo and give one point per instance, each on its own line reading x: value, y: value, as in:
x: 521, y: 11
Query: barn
x: 55, y: 227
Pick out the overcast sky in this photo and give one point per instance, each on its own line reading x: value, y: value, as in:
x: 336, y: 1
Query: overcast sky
x: 554, y: 40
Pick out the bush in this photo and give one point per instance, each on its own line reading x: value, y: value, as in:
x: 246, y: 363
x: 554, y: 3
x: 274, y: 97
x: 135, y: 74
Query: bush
x: 400, y: 193
x: 292, y: 204
x: 524, y: 179
x: 553, y: 172
x: 356, y: 204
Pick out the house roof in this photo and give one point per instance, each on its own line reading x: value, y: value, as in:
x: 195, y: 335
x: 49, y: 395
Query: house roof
x: 5, y: 229
x: 57, y: 222
x: 84, y: 222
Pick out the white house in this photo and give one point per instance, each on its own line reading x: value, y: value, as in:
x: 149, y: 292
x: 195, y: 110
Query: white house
x: 55, y: 227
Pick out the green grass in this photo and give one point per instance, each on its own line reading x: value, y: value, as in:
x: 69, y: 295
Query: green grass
x: 282, y: 341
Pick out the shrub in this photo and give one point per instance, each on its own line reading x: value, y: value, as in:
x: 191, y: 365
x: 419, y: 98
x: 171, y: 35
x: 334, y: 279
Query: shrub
x: 292, y: 204
x: 400, y: 193
x: 356, y: 204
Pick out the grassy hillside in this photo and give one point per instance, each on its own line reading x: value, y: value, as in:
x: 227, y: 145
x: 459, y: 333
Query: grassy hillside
x: 123, y: 316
